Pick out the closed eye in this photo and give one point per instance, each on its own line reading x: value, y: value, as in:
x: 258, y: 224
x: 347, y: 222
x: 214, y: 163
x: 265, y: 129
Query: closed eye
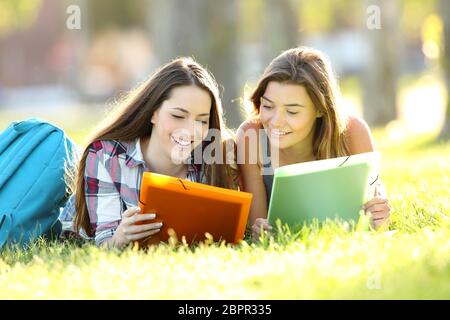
x: 267, y: 107
x: 177, y: 117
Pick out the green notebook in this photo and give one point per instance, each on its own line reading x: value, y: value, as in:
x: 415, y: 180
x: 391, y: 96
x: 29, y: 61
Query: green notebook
x: 331, y: 188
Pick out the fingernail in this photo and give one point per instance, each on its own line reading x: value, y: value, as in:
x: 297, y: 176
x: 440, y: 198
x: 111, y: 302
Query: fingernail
x: 160, y: 224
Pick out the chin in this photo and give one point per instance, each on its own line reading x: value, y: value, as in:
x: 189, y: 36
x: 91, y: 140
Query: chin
x: 280, y: 144
x: 178, y: 155
x: 176, y: 159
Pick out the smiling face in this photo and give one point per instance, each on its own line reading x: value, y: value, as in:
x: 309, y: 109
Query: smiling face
x: 182, y: 122
x: 287, y: 114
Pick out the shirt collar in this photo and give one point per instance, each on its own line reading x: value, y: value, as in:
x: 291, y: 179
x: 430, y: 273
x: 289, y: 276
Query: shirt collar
x: 135, y: 157
x: 134, y: 154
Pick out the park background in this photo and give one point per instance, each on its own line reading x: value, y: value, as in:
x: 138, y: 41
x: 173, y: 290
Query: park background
x: 68, y: 62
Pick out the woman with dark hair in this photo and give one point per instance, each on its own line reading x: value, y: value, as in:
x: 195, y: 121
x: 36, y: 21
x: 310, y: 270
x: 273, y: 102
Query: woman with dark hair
x: 157, y: 128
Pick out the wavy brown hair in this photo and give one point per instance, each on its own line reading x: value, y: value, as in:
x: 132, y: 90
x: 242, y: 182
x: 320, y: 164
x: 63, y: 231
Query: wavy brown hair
x: 131, y: 120
x: 310, y: 68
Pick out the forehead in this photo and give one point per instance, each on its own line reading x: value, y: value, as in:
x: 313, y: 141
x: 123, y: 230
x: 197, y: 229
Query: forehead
x: 192, y: 98
x: 286, y: 93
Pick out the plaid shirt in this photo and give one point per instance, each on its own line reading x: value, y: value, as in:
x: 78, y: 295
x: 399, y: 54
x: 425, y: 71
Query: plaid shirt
x: 113, y: 177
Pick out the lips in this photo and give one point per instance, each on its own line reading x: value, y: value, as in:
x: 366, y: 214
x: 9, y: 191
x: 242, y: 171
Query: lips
x: 181, y: 142
x: 279, y: 133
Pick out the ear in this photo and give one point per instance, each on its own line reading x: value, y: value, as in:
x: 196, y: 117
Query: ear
x: 154, y: 116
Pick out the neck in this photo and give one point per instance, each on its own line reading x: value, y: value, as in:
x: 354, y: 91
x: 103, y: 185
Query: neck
x: 157, y: 161
x: 300, y: 152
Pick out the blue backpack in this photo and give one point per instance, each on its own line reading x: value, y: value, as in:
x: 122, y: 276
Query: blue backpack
x: 33, y: 158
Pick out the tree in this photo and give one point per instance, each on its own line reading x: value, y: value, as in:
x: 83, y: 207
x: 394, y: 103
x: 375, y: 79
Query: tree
x: 206, y: 30
x: 445, y: 14
x: 17, y: 14
x: 280, y: 26
x: 380, y: 78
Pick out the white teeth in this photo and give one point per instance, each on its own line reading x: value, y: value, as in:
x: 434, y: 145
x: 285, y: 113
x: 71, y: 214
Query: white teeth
x: 183, y: 143
x: 276, y: 132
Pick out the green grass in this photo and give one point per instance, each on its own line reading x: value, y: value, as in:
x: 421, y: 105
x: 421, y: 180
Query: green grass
x: 331, y: 261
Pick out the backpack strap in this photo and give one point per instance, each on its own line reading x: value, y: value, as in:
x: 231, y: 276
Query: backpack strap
x: 5, y: 227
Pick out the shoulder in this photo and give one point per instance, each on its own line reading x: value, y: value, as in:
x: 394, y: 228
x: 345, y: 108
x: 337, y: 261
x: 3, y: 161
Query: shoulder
x: 248, y: 140
x: 358, y: 135
x: 109, y: 148
x: 356, y: 124
x: 248, y: 126
x: 248, y: 135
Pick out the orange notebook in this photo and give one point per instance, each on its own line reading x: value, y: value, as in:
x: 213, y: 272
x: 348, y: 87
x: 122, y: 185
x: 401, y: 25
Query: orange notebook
x: 191, y: 209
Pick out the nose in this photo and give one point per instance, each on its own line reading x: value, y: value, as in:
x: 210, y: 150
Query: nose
x: 277, y: 119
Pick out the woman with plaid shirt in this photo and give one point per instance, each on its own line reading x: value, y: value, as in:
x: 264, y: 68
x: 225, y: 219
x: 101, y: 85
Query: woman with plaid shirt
x: 157, y: 128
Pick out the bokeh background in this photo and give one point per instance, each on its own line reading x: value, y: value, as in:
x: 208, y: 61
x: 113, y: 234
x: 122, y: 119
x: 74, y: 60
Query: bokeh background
x: 392, y: 60
x: 395, y: 75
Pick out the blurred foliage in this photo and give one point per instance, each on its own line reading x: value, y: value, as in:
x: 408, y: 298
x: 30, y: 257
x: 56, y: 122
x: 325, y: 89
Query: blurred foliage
x: 326, y: 15
x: 116, y: 14
x: 251, y: 17
x: 414, y: 14
x: 17, y: 14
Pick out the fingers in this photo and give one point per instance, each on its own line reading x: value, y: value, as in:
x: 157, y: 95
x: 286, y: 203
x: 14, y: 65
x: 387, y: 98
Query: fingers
x: 131, y: 212
x: 376, y: 201
x: 378, y: 208
x: 256, y: 229
x: 263, y: 222
x: 143, y: 217
x: 142, y: 235
x: 380, y: 216
x: 142, y: 228
x: 260, y: 223
x: 131, y: 228
x: 131, y: 216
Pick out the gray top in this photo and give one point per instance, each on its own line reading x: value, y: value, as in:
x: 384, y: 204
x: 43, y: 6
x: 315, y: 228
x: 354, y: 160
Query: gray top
x: 267, y: 164
x: 268, y: 182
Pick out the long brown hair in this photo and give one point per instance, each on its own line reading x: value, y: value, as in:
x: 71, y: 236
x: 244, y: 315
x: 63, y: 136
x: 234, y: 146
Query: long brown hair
x: 131, y: 120
x: 310, y: 68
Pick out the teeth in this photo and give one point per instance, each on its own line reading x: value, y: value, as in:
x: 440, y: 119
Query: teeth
x: 183, y: 143
x: 279, y: 132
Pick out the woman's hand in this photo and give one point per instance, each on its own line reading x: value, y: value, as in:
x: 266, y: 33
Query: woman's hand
x: 129, y: 231
x: 380, y: 210
x: 256, y: 228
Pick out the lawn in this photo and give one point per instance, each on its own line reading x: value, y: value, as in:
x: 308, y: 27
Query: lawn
x: 330, y: 261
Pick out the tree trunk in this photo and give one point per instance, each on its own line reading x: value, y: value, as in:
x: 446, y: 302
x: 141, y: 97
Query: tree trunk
x: 206, y: 30
x: 445, y: 14
x: 281, y: 27
x: 380, y: 76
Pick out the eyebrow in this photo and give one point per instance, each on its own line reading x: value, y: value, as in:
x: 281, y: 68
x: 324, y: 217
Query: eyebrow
x: 185, y: 111
x: 286, y: 105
